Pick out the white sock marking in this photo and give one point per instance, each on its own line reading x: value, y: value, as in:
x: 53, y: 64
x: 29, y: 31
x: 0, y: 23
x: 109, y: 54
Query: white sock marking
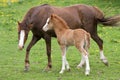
x: 102, y: 55
x: 63, y: 64
x: 87, y: 65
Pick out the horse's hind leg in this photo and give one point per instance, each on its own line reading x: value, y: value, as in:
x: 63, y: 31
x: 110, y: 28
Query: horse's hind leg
x: 100, y: 44
x: 33, y: 41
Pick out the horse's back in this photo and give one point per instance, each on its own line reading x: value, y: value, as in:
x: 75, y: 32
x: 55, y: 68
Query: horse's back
x: 76, y: 16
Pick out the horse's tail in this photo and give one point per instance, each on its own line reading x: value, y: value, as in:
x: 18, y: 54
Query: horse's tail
x: 110, y: 21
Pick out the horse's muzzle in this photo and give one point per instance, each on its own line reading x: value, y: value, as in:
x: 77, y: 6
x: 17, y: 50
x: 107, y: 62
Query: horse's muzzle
x: 20, y: 47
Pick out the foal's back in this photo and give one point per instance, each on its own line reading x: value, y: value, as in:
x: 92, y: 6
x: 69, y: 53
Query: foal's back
x: 73, y: 37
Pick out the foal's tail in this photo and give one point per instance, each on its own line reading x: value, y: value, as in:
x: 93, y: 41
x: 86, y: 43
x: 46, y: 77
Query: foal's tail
x: 87, y: 40
x: 110, y: 21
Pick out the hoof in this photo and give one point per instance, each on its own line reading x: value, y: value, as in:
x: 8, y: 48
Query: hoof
x: 69, y: 70
x: 47, y: 68
x: 61, y: 72
x: 79, y: 66
x: 105, y: 62
x: 87, y: 73
x: 26, y: 69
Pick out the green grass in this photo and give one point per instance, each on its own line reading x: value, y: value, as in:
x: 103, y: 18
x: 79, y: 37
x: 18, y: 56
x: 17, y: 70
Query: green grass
x: 12, y: 60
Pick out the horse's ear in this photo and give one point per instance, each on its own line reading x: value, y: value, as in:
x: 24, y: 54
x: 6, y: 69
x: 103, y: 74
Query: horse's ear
x: 18, y: 23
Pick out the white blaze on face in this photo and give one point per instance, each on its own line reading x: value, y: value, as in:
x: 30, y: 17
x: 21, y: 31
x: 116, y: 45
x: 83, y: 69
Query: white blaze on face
x: 21, y: 41
x: 45, y: 27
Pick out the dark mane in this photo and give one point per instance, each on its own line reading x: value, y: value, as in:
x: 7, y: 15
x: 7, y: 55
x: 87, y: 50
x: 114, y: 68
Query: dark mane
x: 61, y: 21
x: 28, y: 18
x: 44, y: 4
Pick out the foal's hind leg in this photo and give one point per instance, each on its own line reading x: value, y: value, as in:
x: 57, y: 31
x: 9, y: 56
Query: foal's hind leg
x: 85, y: 57
x: 82, y: 62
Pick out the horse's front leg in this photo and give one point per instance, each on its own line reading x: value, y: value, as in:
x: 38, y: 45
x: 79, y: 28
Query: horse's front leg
x: 33, y: 41
x: 48, y: 49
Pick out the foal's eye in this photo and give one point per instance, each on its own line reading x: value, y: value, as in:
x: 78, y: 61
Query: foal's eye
x: 19, y: 32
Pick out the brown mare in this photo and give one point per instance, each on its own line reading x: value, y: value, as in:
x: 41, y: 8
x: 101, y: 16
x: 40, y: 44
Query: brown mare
x: 76, y: 16
x: 67, y: 37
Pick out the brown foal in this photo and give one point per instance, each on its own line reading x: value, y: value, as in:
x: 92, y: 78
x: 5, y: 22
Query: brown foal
x: 67, y: 37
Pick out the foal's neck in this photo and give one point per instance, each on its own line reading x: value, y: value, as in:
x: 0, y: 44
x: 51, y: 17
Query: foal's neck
x: 60, y: 29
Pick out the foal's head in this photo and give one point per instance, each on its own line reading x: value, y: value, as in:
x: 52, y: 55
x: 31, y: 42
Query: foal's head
x: 54, y: 21
x: 23, y: 31
x: 49, y: 24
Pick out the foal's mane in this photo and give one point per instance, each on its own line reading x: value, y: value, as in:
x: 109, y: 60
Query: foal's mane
x: 54, y: 16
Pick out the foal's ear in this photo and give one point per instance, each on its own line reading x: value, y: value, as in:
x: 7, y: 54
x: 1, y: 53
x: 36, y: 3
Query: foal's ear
x: 52, y: 15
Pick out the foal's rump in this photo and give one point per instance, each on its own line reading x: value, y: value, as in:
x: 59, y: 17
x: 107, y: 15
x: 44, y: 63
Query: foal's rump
x: 81, y: 35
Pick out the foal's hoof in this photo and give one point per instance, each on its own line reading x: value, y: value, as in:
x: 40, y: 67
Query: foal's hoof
x: 61, y: 72
x: 26, y: 69
x: 78, y: 67
x: 68, y: 70
x: 87, y: 73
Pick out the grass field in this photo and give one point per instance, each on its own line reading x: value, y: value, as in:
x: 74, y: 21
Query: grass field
x: 12, y: 60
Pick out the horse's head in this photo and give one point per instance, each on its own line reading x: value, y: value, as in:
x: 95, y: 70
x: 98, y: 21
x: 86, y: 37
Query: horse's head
x: 49, y: 24
x: 23, y: 31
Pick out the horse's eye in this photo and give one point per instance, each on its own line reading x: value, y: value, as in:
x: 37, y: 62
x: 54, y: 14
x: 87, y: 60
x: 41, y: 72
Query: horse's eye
x: 19, y: 32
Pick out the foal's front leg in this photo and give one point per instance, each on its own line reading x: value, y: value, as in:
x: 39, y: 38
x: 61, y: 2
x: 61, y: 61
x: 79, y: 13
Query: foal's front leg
x: 64, y: 61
